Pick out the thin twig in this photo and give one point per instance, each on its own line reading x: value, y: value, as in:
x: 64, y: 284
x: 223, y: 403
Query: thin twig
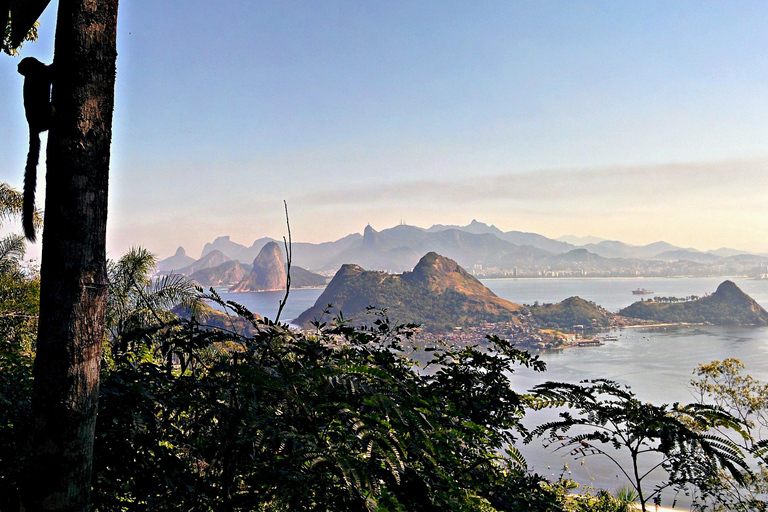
x: 288, y: 257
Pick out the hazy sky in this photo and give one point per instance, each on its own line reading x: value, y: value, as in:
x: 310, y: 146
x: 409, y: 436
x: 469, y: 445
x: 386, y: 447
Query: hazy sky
x: 638, y: 121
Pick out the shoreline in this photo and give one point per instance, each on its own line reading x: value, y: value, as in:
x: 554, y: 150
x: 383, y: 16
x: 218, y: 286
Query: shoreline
x: 674, y: 324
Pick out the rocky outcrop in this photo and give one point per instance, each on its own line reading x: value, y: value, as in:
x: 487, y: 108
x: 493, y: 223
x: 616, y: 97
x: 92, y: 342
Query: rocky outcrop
x: 268, y: 273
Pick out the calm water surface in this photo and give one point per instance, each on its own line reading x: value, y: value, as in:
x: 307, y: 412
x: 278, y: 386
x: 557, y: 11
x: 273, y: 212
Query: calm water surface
x: 656, y: 362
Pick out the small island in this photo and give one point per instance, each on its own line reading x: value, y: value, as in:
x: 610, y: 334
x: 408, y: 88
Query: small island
x: 727, y: 306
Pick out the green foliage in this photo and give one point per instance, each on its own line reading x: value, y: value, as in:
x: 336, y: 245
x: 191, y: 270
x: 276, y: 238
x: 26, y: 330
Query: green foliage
x: 284, y: 421
x: 5, y: 42
x: 11, y: 205
x: 682, y: 439
x: 722, y: 383
x: 19, y: 306
x: 206, y: 419
x: 137, y: 304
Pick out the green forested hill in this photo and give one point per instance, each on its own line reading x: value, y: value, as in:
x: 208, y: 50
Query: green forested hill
x: 572, y: 311
x: 437, y: 293
x: 727, y: 306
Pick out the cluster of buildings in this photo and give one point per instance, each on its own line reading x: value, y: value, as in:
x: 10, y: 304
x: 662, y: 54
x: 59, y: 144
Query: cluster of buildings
x: 522, y: 335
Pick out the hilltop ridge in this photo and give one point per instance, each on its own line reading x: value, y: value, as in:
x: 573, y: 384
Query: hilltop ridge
x: 438, y: 293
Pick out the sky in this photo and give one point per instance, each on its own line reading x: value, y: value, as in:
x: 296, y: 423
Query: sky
x: 634, y: 121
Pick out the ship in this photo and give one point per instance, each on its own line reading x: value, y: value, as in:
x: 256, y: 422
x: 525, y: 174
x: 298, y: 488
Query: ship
x: 642, y: 291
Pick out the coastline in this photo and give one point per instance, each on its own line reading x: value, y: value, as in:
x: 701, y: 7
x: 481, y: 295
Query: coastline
x: 674, y: 324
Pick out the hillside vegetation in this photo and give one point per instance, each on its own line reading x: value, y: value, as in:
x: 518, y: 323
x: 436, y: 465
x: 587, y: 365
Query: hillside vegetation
x: 572, y: 311
x: 727, y: 306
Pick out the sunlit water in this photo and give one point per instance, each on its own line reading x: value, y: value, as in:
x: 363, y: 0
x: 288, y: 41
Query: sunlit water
x: 656, y: 362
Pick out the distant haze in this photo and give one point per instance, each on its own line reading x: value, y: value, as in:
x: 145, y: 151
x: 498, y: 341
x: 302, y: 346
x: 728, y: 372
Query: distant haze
x: 706, y: 206
x: 636, y: 121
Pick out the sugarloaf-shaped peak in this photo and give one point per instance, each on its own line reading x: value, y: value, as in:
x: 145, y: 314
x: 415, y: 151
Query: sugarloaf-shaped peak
x: 729, y: 291
x: 268, y: 272
x: 270, y: 253
x: 180, y: 252
x: 270, y: 265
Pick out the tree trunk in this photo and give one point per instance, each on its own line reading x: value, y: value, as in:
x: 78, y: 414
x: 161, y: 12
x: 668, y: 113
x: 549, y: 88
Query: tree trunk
x: 73, y: 289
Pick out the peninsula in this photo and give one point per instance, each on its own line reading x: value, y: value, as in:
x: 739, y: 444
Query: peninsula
x: 727, y: 306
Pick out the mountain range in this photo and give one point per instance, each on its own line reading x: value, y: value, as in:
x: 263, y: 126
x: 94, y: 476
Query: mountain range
x: 487, y: 252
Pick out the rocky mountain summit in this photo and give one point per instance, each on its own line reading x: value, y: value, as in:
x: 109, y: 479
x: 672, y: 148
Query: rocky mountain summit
x: 438, y: 293
x: 491, y: 252
x: 175, y: 262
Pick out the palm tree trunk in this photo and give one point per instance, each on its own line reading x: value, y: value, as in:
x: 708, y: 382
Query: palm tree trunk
x: 73, y: 291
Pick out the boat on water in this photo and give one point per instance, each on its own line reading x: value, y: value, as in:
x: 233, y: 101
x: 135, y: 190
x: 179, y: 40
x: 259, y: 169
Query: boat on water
x: 641, y: 291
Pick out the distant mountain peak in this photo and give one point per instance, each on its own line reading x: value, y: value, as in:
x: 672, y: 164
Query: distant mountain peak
x: 370, y: 237
x: 477, y: 224
x: 211, y: 259
x: 175, y: 262
x: 270, y: 252
x: 580, y: 240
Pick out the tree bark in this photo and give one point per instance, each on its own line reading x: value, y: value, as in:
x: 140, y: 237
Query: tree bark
x: 73, y: 289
